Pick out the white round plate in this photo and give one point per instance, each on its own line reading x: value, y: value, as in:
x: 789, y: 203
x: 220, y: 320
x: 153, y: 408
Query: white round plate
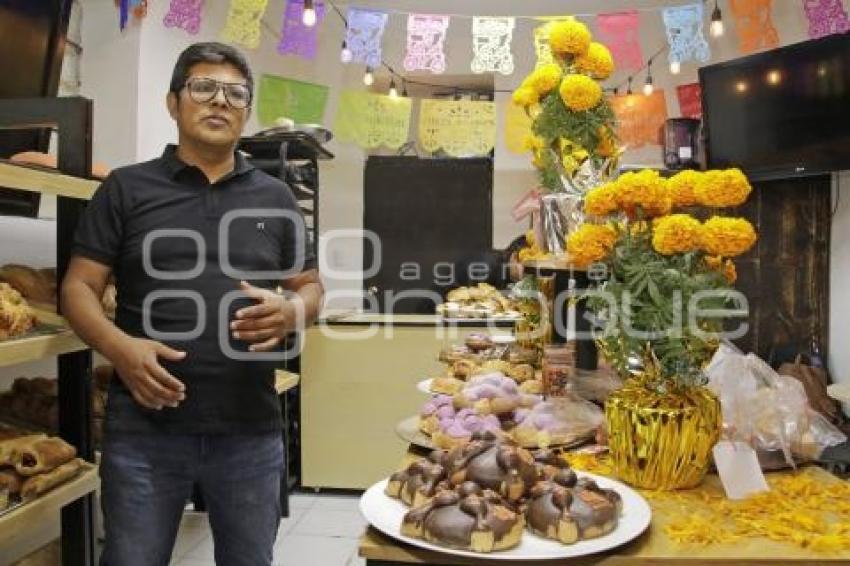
x: 385, y: 514
x: 425, y: 386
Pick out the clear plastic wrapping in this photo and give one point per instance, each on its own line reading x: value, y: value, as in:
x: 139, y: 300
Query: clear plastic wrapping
x: 767, y: 410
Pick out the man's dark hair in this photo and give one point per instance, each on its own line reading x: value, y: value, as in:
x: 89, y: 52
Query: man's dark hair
x: 208, y: 52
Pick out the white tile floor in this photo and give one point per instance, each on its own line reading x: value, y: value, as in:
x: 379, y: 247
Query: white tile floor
x: 322, y: 530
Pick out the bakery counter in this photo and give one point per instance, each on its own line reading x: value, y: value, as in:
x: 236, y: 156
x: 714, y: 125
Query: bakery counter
x: 352, y: 318
x: 358, y: 381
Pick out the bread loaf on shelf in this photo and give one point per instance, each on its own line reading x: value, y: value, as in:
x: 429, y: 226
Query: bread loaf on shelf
x: 34, y: 401
x: 8, y: 447
x: 39, y: 286
x: 42, y: 483
x: 34, y: 284
x: 16, y: 316
x: 42, y: 455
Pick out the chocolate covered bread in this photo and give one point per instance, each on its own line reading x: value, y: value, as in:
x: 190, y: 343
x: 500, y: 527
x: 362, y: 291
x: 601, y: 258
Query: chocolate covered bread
x: 467, y: 518
x: 420, y: 481
x: 567, y: 509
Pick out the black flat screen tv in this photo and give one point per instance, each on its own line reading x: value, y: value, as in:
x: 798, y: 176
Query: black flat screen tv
x: 780, y: 113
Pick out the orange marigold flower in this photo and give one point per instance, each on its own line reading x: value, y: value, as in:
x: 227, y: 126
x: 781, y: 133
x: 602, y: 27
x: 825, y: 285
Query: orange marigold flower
x: 682, y: 187
x: 597, y: 62
x: 601, y: 201
x: 580, y: 93
x: 676, y: 233
x: 721, y: 189
x: 545, y: 78
x: 590, y: 243
x: 569, y: 37
x: 727, y: 237
x: 643, y: 191
x: 525, y: 96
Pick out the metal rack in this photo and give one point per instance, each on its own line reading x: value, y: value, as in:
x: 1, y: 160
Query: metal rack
x: 72, y: 117
x: 294, y: 158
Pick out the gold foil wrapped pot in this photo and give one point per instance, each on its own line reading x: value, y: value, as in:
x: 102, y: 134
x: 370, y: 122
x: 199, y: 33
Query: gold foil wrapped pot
x: 662, y: 440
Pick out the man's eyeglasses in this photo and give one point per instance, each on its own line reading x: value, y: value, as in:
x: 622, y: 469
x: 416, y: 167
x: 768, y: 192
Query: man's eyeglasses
x: 202, y: 90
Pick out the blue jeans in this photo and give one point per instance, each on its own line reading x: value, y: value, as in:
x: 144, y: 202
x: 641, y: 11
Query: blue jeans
x: 146, y: 480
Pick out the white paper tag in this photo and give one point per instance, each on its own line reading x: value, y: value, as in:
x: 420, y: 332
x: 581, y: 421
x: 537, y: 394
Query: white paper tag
x: 739, y: 469
x: 685, y: 152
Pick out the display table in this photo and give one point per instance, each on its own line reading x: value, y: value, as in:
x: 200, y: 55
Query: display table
x: 653, y: 547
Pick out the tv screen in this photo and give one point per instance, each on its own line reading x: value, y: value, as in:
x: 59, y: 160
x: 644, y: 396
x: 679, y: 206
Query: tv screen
x: 781, y: 113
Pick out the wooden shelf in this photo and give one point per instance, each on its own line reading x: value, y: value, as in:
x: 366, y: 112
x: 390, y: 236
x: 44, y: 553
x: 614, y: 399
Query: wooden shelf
x: 33, y: 525
x: 47, y: 181
x: 285, y: 380
x: 31, y: 348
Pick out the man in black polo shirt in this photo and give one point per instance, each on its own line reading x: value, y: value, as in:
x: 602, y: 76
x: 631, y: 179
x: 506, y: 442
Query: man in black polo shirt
x: 198, y: 241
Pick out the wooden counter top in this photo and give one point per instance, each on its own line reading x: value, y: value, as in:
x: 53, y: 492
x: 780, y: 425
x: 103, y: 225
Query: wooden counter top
x: 351, y: 318
x: 653, y: 547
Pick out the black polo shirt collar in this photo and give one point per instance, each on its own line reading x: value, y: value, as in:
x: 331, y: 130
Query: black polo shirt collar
x: 174, y: 165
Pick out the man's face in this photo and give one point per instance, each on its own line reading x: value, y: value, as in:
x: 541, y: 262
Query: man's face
x: 216, y: 122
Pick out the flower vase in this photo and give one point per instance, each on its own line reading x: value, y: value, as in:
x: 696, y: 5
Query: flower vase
x: 560, y: 214
x: 662, y: 441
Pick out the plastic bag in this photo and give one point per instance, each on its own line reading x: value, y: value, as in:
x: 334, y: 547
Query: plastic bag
x: 767, y: 410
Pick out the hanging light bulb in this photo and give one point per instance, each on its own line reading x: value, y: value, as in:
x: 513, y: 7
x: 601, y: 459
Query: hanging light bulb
x: 647, y: 87
x: 345, y: 55
x: 368, y: 77
x: 675, y: 67
x: 308, y: 16
x: 716, y: 28
x: 393, y: 90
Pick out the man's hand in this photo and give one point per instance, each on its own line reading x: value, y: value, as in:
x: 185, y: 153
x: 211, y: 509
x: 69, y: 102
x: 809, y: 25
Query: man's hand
x: 151, y: 385
x: 265, y: 324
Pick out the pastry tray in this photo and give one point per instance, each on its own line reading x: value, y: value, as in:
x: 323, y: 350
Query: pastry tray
x: 408, y: 430
x: 386, y: 514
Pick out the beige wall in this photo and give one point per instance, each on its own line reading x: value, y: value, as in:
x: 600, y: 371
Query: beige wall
x: 839, y: 296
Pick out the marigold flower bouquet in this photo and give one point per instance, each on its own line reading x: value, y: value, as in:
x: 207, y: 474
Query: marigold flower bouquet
x: 664, y: 296
x: 572, y: 137
x: 573, y: 140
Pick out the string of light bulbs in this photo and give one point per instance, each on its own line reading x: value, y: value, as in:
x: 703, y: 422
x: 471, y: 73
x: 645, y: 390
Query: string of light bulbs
x: 309, y: 19
x: 536, y: 17
x: 716, y: 30
x: 345, y: 56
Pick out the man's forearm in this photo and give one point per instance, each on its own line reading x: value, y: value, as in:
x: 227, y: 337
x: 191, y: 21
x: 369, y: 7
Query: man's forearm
x: 83, y: 310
